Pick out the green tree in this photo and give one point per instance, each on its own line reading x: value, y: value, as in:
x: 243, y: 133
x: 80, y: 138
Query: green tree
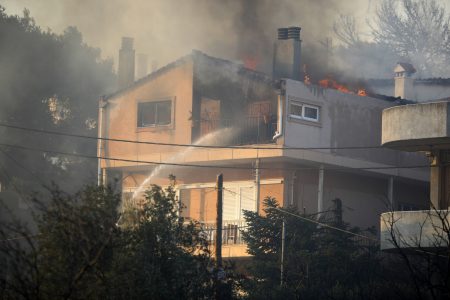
x: 83, y: 250
x: 159, y: 255
x: 319, y: 262
x: 52, y: 82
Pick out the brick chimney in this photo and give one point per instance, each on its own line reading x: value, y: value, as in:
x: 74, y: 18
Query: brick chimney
x: 287, y: 54
x: 126, y: 63
x: 404, y: 81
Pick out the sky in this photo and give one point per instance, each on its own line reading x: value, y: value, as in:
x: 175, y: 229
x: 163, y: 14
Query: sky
x: 168, y: 29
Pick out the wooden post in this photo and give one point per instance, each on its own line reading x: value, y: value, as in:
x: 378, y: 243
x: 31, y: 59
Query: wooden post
x: 219, y: 273
x: 283, y: 237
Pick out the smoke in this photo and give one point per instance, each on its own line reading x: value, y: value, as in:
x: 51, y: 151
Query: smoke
x: 168, y: 29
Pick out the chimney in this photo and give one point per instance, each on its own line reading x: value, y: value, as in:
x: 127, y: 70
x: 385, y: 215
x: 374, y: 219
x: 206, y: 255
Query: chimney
x: 126, y: 63
x: 287, y: 53
x: 142, y: 65
x: 404, y: 81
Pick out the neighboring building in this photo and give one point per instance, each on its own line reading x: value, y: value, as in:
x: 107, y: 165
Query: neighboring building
x: 405, y: 86
x: 214, y: 101
x: 425, y: 128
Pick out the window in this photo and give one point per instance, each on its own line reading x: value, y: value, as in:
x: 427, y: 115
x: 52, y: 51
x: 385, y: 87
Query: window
x: 303, y: 111
x: 154, y: 113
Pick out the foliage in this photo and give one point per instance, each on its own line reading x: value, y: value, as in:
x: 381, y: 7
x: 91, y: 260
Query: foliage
x: 425, y: 254
x: 79, y: 252
x: 319, y: 262
x: 50, y: 82
x: 417, y: 29
x: 161, y: 257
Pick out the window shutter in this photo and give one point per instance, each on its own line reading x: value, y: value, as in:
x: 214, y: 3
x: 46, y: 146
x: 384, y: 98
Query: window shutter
x: 230, y: 205
x: 248, y: 202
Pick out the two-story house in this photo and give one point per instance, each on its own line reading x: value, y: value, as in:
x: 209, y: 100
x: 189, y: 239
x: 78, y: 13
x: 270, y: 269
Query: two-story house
x: 302, y: 144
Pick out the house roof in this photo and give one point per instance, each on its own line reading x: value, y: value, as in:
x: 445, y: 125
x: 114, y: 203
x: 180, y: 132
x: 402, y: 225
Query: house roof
x: 418, y: 81
x: 196, y: 56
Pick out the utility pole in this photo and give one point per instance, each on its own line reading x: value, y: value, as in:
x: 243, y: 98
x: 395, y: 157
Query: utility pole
x: 219, y: 221
x: 283, y: 236
x: 219, y: 273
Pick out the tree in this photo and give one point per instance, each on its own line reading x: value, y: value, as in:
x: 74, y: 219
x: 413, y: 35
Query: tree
x: 422, y: 242
x: 319, y: 262
x: 51, y: 82
x: 159, y: 255
x: 80, y: 252
x: 419, y: 30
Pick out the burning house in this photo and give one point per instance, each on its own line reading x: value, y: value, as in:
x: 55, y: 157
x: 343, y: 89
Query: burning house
x: 304, y: 144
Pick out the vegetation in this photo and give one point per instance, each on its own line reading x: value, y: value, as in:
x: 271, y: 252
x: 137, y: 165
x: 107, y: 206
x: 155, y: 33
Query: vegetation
x: 51, y: 82
x: 413, y: 31
x: 79, y: 251
x: 319, y: 262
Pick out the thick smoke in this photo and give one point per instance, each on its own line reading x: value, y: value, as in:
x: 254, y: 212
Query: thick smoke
x: 166, y: 30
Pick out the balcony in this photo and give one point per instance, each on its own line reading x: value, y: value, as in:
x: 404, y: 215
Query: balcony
x: 231, y: 232
x: 248, y: 129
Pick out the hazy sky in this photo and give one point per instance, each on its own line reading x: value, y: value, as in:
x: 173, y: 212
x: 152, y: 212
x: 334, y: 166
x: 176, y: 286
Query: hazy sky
x: 167, y: 29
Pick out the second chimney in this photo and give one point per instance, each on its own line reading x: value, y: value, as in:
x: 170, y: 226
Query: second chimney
x: 403, y: 81
x: 287, y: 54
x: 126, y: 63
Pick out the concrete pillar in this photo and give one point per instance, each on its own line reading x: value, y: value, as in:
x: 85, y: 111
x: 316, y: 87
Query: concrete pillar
x: 391, y: 193
x: 440, y: 179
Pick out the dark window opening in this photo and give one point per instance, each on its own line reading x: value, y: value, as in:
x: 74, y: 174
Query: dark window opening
x: 154, y: 113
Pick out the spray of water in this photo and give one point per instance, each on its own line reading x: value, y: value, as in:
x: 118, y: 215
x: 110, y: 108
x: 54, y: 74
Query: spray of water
x: 219, y: 137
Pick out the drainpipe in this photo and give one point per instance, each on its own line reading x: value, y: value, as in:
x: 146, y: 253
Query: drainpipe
x: 279, y: 131
x: 100, y: 142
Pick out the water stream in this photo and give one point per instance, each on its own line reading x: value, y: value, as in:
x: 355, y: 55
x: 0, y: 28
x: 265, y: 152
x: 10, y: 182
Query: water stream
x: 219, y: 137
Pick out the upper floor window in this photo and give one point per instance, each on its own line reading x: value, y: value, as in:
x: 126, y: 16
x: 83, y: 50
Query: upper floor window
x: 154, y: 113
x: 304, y: 111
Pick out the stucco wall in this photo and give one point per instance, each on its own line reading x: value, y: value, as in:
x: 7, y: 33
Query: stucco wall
x: 363, y: 198
x: 416, y: 126
x: 346, y: 120
x: 176, y: 84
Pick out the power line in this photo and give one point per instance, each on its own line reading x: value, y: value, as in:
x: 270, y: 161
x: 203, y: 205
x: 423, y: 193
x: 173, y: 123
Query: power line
x: 189, y: 145
x: 208, y: 166
x: 310, y: 220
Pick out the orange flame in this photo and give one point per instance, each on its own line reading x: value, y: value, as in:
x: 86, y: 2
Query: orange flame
x: 307, y: 80
x: 332, y: 84
x: 362, y: 92
x: 251, y: 62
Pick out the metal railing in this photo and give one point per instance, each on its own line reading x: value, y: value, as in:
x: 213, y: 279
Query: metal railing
x: 249, y: 129
x: 231, y: 232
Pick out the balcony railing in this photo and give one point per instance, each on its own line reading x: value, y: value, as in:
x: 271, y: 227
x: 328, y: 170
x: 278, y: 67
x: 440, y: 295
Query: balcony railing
x: 249, y: 129
x: 231, y: 232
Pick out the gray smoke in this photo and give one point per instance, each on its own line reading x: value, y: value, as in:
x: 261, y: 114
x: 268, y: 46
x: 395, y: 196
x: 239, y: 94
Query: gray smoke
x: 168, y: 29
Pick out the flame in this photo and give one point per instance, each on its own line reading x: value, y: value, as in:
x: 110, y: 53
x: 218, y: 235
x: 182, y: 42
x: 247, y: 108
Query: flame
x: 251, y: 62
x: 307, y: 80
x: 362, y: 92
x: 333, y: 84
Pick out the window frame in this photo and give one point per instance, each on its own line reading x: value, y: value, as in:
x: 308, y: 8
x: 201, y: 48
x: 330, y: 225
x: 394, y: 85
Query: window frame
x: 155, y: 102
x: 303, y: 106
